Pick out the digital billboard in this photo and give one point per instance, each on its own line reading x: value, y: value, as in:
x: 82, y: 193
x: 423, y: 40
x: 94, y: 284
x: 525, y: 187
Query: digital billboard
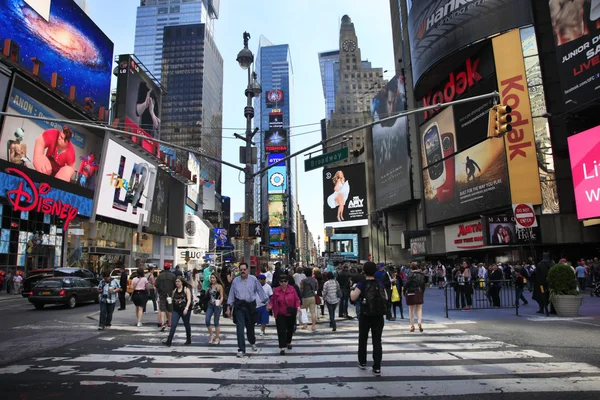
x: 68, y: 43
x: 193, y: 189
x: 276, y: 140
x: 438, y: 28
x: 277, y: 180
x: 502, y: 230
x: 274, y: 98
x: 345, y: 244
x: 176, y: 208
x: 275, y: 207
x: 584, y: 149
x: 275, y: 158
x: 124, y: 183
x: 345, y: 196
x: 391, y: 157
x: 160, y: 202
x: 276, y: 236
x: 418, y: 246
x: 220, y: 237
x: 66, y: 153
x: 576, y: 27
x: 464, y: 236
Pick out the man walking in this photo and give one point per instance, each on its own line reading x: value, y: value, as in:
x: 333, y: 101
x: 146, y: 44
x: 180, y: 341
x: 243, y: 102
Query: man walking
x: 343, y: 279
x: 108, y: 289
x: 261, y: 306
x: 244, y: 290
x: 123, y: 283
x: 540, y: 291
x: 373, y: 306
x: 165, y: 285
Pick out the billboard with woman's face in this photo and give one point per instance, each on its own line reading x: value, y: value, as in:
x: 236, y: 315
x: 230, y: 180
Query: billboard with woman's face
x: 345, y: 196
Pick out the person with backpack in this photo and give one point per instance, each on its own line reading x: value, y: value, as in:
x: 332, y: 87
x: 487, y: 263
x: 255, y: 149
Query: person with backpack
x: 373, y: 300
x: 414, y: 291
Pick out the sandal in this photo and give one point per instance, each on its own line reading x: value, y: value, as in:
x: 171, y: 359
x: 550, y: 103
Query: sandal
x: 211, y: 340
x: 420, y: 328
x: 217, y: 341
x: 412, y: 328
x: 314, y: 328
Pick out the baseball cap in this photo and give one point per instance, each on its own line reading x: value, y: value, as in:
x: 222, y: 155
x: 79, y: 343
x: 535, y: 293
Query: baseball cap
x: 262, y: 276
x: 167, y: 266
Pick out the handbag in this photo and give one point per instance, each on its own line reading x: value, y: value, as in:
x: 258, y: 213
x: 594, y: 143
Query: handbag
x: 395, y: 294
x: 303, y: 317
x: 317, y: 300
x: 338, y: 291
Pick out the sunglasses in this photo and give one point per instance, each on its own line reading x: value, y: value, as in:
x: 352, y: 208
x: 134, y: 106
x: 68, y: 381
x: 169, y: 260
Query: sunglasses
x: 243, y: 269
x: 283, y: 281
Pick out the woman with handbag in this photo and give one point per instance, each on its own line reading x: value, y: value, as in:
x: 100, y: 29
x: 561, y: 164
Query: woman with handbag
x: 285, y: 304
x: 182, y: 301
x: 308, y: 288
x: 414, y: 290
x: 397, y: 287
x: 332, y: 293
x: 141, y: 290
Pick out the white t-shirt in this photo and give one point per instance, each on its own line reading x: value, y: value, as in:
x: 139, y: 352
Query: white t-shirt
x: 268, y: 291
x: 269, y: 276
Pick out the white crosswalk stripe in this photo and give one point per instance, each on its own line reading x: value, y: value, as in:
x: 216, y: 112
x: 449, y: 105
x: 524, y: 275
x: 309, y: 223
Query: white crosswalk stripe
x: 320, y: 365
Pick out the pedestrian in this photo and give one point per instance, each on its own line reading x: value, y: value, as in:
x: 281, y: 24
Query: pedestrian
x: 285, y: 304
x: 299, y: 276
x: 332, y: 294
x: 382, y: 276
x: 343, y: 278
x: 165, y: 284
x: 194, y: 282
x: 152, y: 293
x: 319, y: 297
x: 123, y: 282
x: 495, y: 284
x: 216, y: 297
x: 17, y: 282
x: 208, y: 270
x: 371, y: 295
x: 107, y: 290
x: 308, y: 288
x: 261, y: 306
x: 140, y: 287
x: 468, y: 286
x: 414, y: 292
x: 242, y: 298
x: 581, y: 273
x: 397, y: 288
x: 1, y: 281
x: 520, y: 285
x: 177, y: 271
x: 9, y: 282
x: 276, y: 275
x: 182, y: 301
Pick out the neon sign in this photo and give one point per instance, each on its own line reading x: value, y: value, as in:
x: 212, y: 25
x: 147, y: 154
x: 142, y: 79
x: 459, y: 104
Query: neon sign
x: 31, y: 199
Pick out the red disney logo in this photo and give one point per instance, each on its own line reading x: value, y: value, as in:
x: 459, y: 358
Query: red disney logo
x: 35, y: 202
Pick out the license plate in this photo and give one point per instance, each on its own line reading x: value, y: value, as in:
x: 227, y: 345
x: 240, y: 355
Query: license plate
x: 45, y: 292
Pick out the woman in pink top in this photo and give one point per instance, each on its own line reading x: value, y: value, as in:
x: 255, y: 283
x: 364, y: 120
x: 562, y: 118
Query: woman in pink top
x: 285, y: 304
x: 141, y: 289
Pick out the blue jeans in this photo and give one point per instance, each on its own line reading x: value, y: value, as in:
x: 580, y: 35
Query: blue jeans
x: 106, y: 313
x: 175, y: 321
x: 343, y: 311
x: 152, y: 297
x: 213, y: 310
x: 244, y: 319
x: 331, y: 311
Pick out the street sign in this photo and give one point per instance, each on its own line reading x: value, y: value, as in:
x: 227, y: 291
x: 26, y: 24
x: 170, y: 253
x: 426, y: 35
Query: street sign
x: 524, y: 215
x: 327, y: 158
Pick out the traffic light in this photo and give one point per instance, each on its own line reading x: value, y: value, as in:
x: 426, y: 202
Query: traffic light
x: 499, y: 121
x: 235, y: 230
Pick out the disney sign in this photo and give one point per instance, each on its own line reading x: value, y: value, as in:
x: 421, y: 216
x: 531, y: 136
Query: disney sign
x: 27, y: 197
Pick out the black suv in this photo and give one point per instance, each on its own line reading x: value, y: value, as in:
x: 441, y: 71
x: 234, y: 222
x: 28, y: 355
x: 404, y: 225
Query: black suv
x: 67, y: 290
x: 40, y: 274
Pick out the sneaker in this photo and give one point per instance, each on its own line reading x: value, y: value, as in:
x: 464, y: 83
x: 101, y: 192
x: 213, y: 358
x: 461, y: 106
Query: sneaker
x: 261, y: 333
x: 100, y: 328
x: 254, y: 348
x: 361, y: 366
x: 240, y: 354
x: 376, y: 372
x: 139, y: 324
x: 107, y: 326
x: 155, y: 311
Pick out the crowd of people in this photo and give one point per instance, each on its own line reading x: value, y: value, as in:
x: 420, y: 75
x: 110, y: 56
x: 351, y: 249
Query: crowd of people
x: 11, y: 281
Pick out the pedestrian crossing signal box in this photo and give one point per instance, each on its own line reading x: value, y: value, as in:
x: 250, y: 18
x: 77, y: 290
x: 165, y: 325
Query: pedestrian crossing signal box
x: 235, y: 230
x: 254, y: 230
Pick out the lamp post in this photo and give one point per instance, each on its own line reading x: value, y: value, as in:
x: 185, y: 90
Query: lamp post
x: 245, y: 58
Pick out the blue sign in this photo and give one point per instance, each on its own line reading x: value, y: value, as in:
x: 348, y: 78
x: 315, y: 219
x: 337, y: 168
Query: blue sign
x: 274, y: 158
x: 220, y: 237
x: 277, y: 180
x: 277, y: 236
x: 345, y: 244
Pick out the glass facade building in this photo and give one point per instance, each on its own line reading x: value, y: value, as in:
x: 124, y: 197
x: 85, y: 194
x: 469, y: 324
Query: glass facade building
x: 330, y: 76
x: 154, y: 15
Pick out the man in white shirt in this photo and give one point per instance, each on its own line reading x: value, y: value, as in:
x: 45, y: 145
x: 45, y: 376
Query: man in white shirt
x: 261, y: 306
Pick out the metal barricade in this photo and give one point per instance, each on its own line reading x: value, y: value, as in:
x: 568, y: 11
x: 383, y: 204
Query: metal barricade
x: 480, y: 295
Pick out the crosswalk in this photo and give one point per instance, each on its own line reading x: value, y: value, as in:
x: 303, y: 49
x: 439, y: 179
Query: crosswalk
x: 442, y: 361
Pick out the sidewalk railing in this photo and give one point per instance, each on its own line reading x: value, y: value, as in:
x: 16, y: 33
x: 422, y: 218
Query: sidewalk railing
x: 480, y: 295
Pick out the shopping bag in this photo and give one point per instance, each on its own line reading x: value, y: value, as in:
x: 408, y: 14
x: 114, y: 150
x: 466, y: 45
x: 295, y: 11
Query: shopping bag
x: 395, y: 294
x: 303, y: 317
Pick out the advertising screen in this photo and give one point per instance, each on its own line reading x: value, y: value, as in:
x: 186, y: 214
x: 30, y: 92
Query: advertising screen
x: 176, y: 208
x: 193, y: 189
x: 220, y: 236
x: 418, y: 246
x: 68, y: 43
x: 275, y: 158
x: 276, y: 236
x: 275, y: 205
x: 583, y: 152
x: 160, y: 202
x: 457, y: 184
x: 391, y: 157
x: 276, y: 120
x: 124, y: 183
x: 345, y: 196
x: 502, y: 230
x: 345, y: 244
x: 576, y: 28
x: 276, y: 140
x: 274, y: 98
x: 70, y: 155
x: 464, y: 236
x: 277, y: 180
x: 438, y: 28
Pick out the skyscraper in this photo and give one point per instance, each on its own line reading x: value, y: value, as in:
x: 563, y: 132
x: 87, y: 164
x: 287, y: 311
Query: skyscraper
x: 275, y: 208
x: 154, y: 15
x: 329, y: 62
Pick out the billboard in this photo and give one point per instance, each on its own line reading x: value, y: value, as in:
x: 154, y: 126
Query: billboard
x: 220, y: 237
x: 275, y: 158
x: 277, y: 180
x: 418, y: 246
x: 193, y: 189
x: 274, y: 98
x: 277, y: 236
x: 345, y: 244
x: 464, y: 236
x: 457, y: 184
x: 176, y: 208
x: 276, y: 140
x: 502, y: 230
x: 68, y: 43
x: 576, y: 28
x: 196, y: 233
x: 125, y: 179
x: 345, y: 196
x: 520, y: 142
x: 438, y: 28
x: 583, y: 152
x: 69, y: 155
x: 275, y: 207
x: 391, y: 157
x: 160, y: 202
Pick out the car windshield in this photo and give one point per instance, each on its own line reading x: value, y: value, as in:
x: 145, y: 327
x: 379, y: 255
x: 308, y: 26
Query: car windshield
x: 49, y: 284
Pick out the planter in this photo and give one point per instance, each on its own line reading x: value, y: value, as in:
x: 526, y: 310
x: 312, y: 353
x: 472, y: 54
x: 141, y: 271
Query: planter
x: 567, y: 305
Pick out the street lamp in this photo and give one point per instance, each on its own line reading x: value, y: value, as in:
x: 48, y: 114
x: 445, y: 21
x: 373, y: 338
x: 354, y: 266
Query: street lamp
x: 245, y: 58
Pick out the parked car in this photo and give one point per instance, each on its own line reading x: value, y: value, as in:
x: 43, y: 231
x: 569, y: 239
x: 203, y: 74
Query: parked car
x: 38, y: 274
x: 67, y: 290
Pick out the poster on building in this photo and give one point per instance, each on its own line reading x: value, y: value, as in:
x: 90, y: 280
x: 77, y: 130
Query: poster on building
x: 576, y: 26
x: 275, y: 158
x: 160, y: 202
x: 276, y: 140
x: 584, y: 149
x: 502, y: 230
x: 277, y: 180
x: 193, y: 189
x: 345, y: 196
x: 418, y: 246
x: 345, y: 244
x: 67, y: 153
x: 274, y: 98
x: 276, y: 236
x: 464, y: 236
x: 275, y: 206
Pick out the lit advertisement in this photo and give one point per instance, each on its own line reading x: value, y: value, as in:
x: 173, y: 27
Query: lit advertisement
x: 276, y: 140
x: 69, y: 155
x: 583, y: 152
x: 125, y: 179
x: 274, y: 98
x: 160, y: 202
x: 345, y: 244
x: 275, y: 205
x: 276, y: 120
x: 68, y: 43
x: 275, y: 158
x: 193, y: 189
x: 503, y: 230
x: 345, y: 196
x: 277, y: 180
x: 220, y: 237
x: 276, y: 236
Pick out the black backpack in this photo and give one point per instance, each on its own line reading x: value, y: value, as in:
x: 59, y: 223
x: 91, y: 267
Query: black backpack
x: 373, y: 302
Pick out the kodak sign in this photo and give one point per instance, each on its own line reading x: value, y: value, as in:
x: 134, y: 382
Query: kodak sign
x: 520, y: 142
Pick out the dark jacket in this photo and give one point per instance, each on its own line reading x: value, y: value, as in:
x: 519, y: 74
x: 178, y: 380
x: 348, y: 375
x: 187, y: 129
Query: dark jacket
x: 165, y: 283
x: 416, y: 280
x: 343, y: 278
x: 123, y: 280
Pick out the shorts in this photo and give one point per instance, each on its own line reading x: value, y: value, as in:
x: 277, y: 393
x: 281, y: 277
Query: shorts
x: 140, y: 298
x: 309, y: 303
x: 162, y: 304
x: 263, y: 315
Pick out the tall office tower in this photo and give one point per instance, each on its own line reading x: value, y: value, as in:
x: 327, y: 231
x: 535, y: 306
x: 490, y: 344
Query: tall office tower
x: 275, y: 192
x: 192, y: 110
x: 358, y: 82
x: 329, y: 61
x: 154, y: 15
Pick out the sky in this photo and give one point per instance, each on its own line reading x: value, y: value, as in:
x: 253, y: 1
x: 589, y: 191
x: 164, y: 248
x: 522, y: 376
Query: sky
x: 308, y: 27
